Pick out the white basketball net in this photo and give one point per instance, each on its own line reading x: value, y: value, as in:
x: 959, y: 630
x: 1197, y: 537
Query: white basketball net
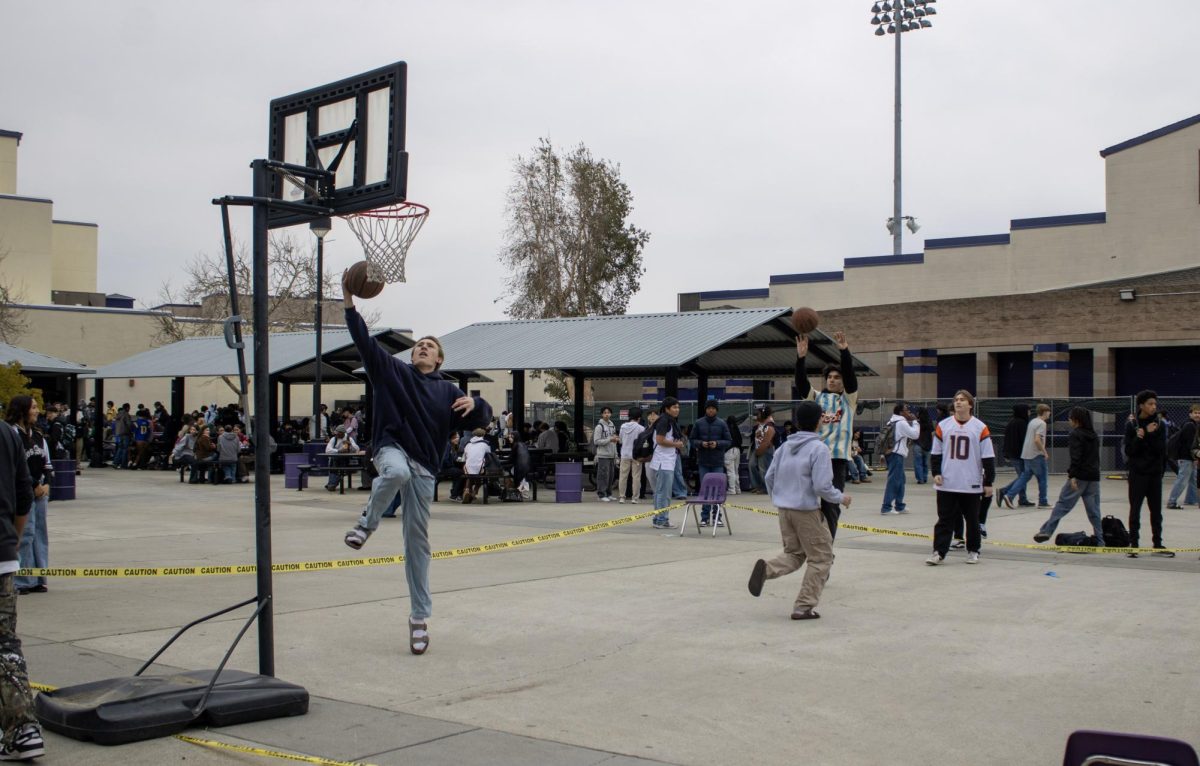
x: 385, y: 235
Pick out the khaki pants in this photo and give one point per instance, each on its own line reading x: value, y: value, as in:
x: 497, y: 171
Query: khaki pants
x: 805, y: 538
x: 630, y: 466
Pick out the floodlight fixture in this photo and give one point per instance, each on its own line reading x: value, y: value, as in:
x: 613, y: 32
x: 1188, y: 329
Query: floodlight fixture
x: 320, y: 227
x: 1128, y: 295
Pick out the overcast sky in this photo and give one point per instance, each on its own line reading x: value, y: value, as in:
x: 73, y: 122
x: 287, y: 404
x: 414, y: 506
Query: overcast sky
x: 756, y: 137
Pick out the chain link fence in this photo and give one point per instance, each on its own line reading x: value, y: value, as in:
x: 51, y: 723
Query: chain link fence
x: 1109, y: 416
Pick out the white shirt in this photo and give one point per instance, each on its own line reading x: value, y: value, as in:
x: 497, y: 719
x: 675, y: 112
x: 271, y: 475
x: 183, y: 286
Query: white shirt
x: 664, y: 457
x: 963, y: 447
x: 903, y: 432
x: 476, y: 452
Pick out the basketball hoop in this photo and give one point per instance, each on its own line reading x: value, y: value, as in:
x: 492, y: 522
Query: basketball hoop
x: 385, y: 234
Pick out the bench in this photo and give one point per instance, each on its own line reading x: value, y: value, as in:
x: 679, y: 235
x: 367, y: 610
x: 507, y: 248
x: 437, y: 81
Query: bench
x: 345, y: 475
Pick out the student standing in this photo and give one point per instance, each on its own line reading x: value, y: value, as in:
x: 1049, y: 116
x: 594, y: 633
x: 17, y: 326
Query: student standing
x: 962, y: 453
x: 904, y: 429
x: 1185, y: 461
x: 710, y: 440
x: 800, y: 477
x: 1034, y: 456
x: 1146, y: 453
x: 630, y: 431
x: 604, y: 436
x: 668, y: 441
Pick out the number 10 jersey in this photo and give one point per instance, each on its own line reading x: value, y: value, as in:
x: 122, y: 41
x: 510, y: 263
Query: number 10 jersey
x: 963, y: 447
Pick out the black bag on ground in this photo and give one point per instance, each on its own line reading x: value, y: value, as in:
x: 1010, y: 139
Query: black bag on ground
x: 1076, y: 539
x: 1115, y: 534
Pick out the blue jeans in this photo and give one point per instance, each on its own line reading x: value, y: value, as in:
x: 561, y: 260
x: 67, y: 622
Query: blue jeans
x: 920, y: 464
x: 1018, y: 466
x: 121, y: 451
x: 663, y: 481
x: 1089, y: 492
x: 1185, y: 479
x: 758, y: 468
x: 396, y: 475
x: 894, y: 490
x: 705, y: 470
x: 1034, y: 466
x: 678, y: 485
x: 856, y: 468
x: 35, y: 544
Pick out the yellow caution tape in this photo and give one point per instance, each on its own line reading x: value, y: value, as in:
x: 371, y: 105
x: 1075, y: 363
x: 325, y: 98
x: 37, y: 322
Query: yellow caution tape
x: 311, y: 566
x: 996, y: 543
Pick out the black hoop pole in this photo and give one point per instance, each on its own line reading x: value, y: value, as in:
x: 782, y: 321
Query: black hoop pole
x: 262, y: 424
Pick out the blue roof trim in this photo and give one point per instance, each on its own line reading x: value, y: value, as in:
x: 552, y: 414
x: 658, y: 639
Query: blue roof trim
x: 1063, y: 365
x: 979, y: 240
x: 723, y: 295
x: 1051, y: 348
x: 11, y: 134
x: 816, y: 276
x: 1046, y: 222
x: 27, y: 199
x: 1146, y: 137
x: 920, y: 369
x: 884, y: 260
x: 76, y: 223
x: 918, y: 353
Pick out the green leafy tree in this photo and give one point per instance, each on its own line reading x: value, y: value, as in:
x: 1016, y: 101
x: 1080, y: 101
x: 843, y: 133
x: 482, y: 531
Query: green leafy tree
x: 13, y: 383
x: 569, y: 249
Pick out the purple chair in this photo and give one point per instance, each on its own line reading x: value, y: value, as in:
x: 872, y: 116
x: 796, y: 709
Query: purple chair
x: 1104, y: 748
x: 712, y: 492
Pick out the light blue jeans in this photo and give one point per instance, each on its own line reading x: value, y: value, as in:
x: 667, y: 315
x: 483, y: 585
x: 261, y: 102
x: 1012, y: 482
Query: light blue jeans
x: 664, y: 480
x: 1185, y: 480
x: 1089, y: 493
x: 679, y: 486
x: 35, y: 544
x: 758, y: 468
x: 397, y: 475
x: 120, y: 452
x: 1034, y: 466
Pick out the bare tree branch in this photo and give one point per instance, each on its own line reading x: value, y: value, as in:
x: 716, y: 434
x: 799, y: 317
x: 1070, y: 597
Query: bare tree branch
x: 12, y: 320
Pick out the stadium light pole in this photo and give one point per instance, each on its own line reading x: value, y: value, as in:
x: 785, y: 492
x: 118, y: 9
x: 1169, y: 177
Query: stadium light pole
x: 319, y: 227
x: 896, y: 18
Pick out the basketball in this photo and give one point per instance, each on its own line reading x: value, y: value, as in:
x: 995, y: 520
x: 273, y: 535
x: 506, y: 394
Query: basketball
x: 360, y: 284
x: 805, y: 320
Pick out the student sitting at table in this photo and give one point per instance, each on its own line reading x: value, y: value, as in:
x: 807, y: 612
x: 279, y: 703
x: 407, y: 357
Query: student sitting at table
x: 476, y: 453
x: 342, y: 443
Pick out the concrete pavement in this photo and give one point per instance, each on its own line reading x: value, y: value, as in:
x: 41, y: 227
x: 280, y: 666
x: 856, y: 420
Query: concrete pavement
x: 628, y: 644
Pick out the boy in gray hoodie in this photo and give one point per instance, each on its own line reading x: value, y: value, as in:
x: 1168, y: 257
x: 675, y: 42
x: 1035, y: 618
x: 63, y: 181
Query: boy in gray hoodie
x: 800, y: 476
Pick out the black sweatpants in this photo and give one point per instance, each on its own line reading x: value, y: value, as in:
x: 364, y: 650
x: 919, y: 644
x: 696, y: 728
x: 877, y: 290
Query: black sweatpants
x: 833, y: 511
x: 953, y: 508
x: 985, y: 502
x: 1148, y: 487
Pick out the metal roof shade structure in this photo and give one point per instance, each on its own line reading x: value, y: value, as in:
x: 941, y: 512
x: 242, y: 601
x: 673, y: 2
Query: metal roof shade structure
x: 32, y: 361
x: 721, y: 342
x: 292, y: 357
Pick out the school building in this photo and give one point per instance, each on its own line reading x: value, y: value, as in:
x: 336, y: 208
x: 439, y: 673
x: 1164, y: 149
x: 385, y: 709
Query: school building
x: 1094, y: 303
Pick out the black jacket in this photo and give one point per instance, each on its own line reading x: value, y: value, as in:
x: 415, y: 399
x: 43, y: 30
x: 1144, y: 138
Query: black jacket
x: 1014, y: 432
x: 715, y: 430
x: 16, y: 490
x: 1084, y: 447
x: 1147, y: 455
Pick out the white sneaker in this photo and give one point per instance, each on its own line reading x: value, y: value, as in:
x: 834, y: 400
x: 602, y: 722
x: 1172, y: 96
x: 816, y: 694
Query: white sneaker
x: 973, y: 557
x: 958, y: 544
x: 621, y: 501
x: 634, y: 501
x: 934, y: 560
x: 890, y: 513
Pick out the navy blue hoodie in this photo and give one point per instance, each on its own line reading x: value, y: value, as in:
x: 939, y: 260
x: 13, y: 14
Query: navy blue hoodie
x: 411, y: 409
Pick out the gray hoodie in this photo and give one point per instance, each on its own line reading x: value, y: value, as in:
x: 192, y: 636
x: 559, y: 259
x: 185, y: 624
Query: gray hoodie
x: 801, y: 474
x: 228, y: 445
x: 602, y: 437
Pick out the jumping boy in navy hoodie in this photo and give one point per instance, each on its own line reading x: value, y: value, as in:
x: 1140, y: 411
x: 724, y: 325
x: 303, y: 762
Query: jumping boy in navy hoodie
x: 800, y: 477
x: 413, y: 412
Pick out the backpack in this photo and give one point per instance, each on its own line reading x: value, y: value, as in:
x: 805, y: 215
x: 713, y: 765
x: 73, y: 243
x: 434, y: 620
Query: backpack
x: 1176, y: 450
x: 643, y: 445
x: 1076, y: 539
x: 1115, y: 534
x: 778, y: 440
x: 887, y: 438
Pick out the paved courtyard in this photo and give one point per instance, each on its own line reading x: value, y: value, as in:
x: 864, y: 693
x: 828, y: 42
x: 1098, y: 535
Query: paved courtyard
x: 629, y: 645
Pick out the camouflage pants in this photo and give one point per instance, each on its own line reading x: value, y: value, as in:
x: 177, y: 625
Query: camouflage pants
x: 16, y: 699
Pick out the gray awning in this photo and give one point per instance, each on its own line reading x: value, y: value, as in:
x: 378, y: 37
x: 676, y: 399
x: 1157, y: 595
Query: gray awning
x: 32, y: 361
x: 728, y: 342
x: 293, y: 357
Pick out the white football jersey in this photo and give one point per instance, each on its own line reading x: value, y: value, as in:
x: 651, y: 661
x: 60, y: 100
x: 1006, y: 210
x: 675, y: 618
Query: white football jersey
x: 963, y: 447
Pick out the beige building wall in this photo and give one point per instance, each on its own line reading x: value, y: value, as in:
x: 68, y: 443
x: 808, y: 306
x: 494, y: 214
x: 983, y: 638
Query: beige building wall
x: 8, y: 164
x: 26, y: 244
x: 73, y: 248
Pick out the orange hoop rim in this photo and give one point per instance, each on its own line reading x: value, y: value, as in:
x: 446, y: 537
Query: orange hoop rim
x: 400, y: 210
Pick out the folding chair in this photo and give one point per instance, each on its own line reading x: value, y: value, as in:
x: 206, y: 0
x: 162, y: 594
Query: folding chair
x: 1104, y: 748
x: 712, y: 492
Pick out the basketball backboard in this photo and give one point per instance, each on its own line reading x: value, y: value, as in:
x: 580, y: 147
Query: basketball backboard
x: 356, y: 123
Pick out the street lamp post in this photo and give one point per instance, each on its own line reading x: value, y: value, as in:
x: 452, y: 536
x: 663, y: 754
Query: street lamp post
x: 320, y: 227
x: 896, y: 18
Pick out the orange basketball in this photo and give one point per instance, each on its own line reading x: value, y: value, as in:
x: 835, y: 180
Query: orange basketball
x: 805, y: 320
x: 359, y: 282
